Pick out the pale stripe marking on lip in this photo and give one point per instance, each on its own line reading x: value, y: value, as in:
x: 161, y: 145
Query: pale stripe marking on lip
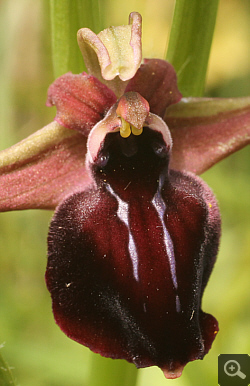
x: 122, y: 213
x: 160, y: 207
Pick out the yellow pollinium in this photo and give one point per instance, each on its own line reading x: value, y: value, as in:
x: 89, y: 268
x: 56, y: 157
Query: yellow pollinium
x: 127, y: 128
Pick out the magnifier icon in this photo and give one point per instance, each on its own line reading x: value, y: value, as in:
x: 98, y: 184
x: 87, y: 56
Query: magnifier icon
x: 234, y: 369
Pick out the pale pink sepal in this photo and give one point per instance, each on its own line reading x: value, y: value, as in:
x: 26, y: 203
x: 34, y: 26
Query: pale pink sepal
x: 206, y: 130
x: 114, y: 55
x: 40, y: 171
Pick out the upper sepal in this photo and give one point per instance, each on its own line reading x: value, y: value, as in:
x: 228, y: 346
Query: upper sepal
x: 114, y: 55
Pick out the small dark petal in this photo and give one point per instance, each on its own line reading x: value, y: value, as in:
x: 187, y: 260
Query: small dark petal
x: 81, y: 101
x: 156, y: 81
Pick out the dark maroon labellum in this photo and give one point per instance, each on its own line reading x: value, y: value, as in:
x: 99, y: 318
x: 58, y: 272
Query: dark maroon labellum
x: 129, y: 259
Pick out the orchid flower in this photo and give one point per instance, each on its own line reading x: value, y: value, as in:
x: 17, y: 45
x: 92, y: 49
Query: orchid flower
x: 136, y: 232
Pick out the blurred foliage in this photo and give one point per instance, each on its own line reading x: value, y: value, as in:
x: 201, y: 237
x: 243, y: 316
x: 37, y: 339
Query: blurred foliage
x: 39, y: 352
x: 6, y: 378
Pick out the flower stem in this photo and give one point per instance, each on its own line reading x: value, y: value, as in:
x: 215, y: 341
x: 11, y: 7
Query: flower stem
x: 66, y: 18
x: 190, y: 42
x: 6, y: 378
x: 109, y: 372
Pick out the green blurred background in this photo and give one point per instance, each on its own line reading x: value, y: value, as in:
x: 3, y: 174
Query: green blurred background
x: 34, y: 346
